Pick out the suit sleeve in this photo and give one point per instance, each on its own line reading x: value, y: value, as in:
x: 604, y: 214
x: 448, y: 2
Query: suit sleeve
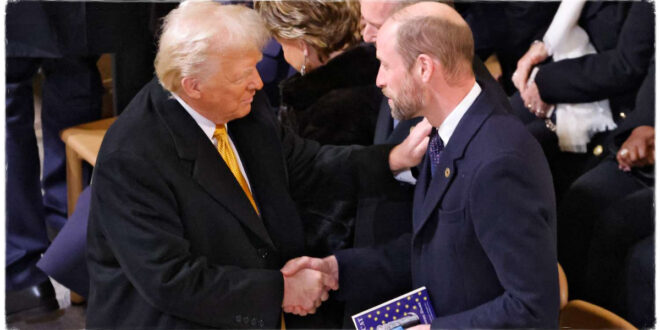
x: 644, y: 114
x: 340, y: 172
x: 375, y: 274
x: 135, y: 214
x: 511, y: 205
x: 600, y: 76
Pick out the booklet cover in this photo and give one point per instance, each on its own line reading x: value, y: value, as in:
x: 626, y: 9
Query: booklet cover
x: 412, y: 306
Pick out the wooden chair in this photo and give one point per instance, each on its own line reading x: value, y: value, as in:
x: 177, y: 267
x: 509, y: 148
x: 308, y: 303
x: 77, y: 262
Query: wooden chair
x: 579, y: 314
x: 563, y: 288
x: 82, y: 142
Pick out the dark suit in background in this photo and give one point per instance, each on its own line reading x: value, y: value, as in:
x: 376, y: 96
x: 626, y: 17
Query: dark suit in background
x: 506, y: 29
x: 205, y: 258
x: 623, y: 34
x: 486, y: 255
x: 64, y: 41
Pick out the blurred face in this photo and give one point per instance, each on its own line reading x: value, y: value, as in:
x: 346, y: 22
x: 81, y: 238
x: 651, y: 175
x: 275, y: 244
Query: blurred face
x: 402, y: 88
x: 227, y: 93
x: 374, y: 13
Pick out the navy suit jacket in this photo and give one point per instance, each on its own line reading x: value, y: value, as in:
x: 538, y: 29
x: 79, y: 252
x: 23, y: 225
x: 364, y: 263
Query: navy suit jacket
x: 483, y: 236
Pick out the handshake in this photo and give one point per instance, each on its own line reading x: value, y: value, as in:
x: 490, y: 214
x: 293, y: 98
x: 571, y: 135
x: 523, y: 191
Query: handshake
x: 307, y: 282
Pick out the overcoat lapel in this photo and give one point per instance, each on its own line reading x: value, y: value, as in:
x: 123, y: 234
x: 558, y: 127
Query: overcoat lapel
x: 208, y: 168
x: 455, y: 149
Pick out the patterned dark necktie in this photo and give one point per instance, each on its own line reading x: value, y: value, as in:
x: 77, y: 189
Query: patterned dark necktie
x: 435, y: 150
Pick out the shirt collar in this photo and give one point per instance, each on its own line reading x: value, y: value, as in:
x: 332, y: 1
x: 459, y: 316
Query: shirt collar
x: 448, y: 126
x: 207, y: 126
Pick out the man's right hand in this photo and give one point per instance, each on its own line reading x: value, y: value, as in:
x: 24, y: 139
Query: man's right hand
x: 410, y: 152
x: 305, y: 289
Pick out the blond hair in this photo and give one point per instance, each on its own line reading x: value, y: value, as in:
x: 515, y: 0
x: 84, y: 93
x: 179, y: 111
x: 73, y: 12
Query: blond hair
x: 197, y: 30
x: 328, y: 26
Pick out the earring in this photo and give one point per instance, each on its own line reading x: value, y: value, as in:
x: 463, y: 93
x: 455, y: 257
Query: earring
x: 302, y: 68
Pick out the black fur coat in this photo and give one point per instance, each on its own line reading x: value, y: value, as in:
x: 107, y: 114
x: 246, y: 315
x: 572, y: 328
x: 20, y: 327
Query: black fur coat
x: 336, y: 103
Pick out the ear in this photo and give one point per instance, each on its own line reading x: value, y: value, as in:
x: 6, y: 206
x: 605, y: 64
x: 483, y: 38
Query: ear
x: 191, y: 88
x: 425, y: 67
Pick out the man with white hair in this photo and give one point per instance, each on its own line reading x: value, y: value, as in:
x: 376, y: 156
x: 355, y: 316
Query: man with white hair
x: 192, y: 212
x: 483, y: 232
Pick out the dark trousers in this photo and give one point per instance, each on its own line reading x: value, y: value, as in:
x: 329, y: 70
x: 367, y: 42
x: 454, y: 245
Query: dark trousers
x: 640, y: 279
x: 623, y: 225
x: 566, y: 167
x: 71, y: 95
x: 586, y: 210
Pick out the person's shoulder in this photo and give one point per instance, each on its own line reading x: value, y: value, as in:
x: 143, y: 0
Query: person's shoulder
x: 138, y: 125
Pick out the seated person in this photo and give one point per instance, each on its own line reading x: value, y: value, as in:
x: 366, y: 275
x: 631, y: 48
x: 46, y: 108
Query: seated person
x: 622, y: 35
x: 609, y: 208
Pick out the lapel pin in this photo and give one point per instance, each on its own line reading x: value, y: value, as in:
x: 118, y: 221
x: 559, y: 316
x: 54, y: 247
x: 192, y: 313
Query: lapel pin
x: 447, y: 172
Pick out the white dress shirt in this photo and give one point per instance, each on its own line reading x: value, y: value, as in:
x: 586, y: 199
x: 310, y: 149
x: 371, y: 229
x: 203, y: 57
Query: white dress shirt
x: 208, y: 127
x: 448, y: 126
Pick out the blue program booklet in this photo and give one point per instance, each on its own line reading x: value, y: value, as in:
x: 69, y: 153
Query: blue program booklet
x: 411, y: 308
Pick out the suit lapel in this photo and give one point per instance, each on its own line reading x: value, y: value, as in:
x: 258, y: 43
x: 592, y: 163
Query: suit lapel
x: 208, y: 168
x: 455, y: 149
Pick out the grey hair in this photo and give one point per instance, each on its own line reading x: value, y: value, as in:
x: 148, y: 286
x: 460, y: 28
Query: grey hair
x: 197, y: 30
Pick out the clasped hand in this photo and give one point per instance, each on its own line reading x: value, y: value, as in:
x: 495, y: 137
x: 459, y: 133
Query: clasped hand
x: 307, y: 282
x: 529, y: 91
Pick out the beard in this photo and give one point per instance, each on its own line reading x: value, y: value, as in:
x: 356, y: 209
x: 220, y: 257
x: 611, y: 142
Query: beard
x: 408, y: 103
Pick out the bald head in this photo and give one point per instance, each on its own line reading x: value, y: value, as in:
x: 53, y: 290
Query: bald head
x: 434, y: 29
x: 434, y: 9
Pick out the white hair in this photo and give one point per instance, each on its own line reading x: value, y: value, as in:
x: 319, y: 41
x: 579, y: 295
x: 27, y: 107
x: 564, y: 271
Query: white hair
x: 197, y: 30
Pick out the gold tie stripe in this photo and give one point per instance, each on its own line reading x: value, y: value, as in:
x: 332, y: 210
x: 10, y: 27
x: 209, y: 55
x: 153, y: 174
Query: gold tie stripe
x: 226, y: 152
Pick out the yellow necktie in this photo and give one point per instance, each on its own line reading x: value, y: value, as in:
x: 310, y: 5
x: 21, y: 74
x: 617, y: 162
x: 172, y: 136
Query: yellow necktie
x: 225, y: 150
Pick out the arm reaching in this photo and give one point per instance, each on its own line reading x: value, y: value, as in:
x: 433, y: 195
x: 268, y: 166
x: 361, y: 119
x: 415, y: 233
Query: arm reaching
x: 411, y: 151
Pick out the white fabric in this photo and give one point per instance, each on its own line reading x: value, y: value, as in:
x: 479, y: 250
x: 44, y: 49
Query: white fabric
x: 208, y: 127
x: 576, y: 123
x: 565, y: 19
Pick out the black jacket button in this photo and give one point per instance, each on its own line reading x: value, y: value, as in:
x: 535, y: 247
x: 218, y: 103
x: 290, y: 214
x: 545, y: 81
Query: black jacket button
x: 263, y: 253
